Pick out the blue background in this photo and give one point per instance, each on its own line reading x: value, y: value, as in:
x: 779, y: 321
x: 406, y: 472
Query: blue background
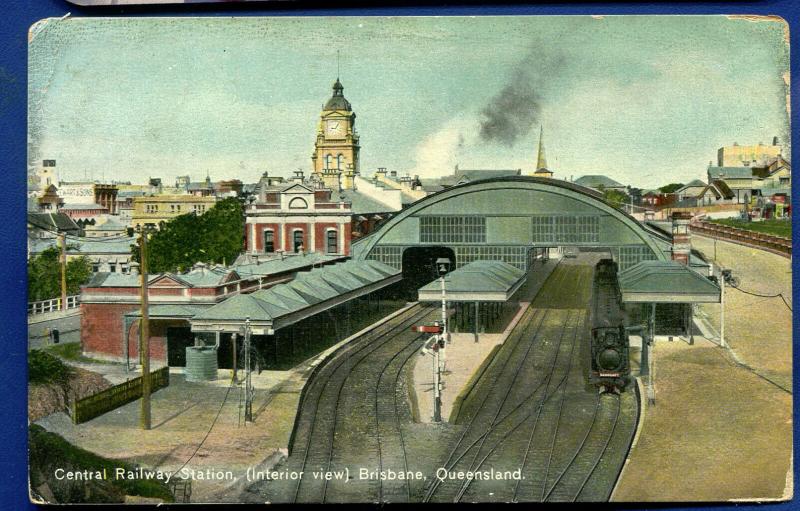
x: 15, y: 18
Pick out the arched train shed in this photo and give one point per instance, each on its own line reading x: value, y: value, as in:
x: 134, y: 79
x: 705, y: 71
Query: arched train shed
x: 506, y: 219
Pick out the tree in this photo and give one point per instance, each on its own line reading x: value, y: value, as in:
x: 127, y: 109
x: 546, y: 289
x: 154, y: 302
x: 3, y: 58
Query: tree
x: 616, y: 198
x: 44, y: 275
x: 214, y: 237
x: 670, y: 188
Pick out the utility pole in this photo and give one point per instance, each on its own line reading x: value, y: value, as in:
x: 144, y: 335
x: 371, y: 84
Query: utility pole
x: 437, y: 389
x: 248, y: 382
x: 144, y: 333
x: 722, y: 280
x: 233, y: 371
x: 62, y: 238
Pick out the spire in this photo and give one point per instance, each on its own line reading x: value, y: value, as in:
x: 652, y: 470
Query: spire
x: 541, y: 160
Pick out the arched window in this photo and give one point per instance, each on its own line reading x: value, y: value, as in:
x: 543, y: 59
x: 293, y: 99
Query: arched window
x: 269, y: 241
x: 298, y: 203
x: 340, y: 162
x: 298, y: 240
x: 332, y: 241
x: 328, y: 161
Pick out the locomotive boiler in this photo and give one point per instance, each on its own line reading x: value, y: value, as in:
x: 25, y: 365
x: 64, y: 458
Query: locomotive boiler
x: 609, y: 350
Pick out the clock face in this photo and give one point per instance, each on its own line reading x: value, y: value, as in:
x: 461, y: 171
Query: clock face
x: 335, y: 129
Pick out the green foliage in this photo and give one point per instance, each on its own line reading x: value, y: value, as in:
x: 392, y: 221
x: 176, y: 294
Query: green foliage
x: 44, y: 275
x: 616, y: 198
x: 214, y: 237
x: 670, y: 188
x: 44, y: 368
x: 775, y: 226
x: 49, y: 451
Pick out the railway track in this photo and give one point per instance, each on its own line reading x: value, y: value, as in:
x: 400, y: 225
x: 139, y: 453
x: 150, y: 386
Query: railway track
x: 529, y: 410
x: 354, y: 383
x: 561, y: 451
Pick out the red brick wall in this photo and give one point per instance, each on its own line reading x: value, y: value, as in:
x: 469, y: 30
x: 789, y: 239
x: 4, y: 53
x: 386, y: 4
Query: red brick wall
x: 260, y: 235
x: 348, y: 236
x: 101, y: 328
x: 321, y: 236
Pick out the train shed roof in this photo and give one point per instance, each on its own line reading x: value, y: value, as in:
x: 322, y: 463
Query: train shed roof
x: 478, y: 281
x: 308, y: 294
x: 666, y: 282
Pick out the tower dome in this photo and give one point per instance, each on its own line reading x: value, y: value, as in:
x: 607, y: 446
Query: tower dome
x: 337, y: 101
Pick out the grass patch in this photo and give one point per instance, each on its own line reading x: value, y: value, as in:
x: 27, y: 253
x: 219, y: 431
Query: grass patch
x: 45, y: 368
x: 49, y: 452
x: 72, y: 351
x: 774, y: 226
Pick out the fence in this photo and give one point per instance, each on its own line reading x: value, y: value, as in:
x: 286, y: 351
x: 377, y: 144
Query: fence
x: 52, y: 305
x: 768, y: 242
x: 104, y: 401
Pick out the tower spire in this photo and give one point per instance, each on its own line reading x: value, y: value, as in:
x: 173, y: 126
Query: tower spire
x: 541, y: 160
x: 337, y: 66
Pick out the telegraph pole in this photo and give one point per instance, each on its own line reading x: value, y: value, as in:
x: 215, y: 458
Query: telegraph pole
x: 248, y: 383
x: 144, y: 334
x: 62, y: 238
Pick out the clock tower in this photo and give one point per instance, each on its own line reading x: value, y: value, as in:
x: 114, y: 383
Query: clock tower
x: 335, y: 158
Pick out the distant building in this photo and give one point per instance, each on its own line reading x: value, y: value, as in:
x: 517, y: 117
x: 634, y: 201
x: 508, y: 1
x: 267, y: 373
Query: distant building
x: 335, y: 160
x: 748, y: 155
x: 87, y: 192
x: 105, y: 256
x: 49, y: 225
x: 600, y: 183
x: 156, y: 210
x: 691, y: 189
x: 105, y: 226
x: 50, y: 201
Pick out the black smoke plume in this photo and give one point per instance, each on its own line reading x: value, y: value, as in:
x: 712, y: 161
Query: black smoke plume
x: 510, y: 115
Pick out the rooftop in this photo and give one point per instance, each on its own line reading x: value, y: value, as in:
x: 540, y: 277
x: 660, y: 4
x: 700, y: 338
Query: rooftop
x: 322, y: 286
x: 597, y: 181
x: 666, y: 282
x: 485, y: 281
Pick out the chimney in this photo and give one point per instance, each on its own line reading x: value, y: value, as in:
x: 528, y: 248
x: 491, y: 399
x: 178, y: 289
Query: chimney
x: 774, y: 140
x: 681, y: 236
x: 393, y: 174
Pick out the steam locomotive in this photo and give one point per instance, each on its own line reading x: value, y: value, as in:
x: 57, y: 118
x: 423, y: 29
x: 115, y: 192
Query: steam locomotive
x: 610, y: 367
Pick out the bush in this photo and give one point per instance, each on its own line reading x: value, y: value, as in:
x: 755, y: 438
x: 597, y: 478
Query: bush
x: 44, y: 368
x: 48, y: 451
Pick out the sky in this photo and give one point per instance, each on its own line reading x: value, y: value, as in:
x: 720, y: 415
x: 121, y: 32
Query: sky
x: 645, y: 100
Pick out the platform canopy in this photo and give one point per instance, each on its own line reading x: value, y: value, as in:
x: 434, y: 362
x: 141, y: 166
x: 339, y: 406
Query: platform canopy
x: 308, y: 294
x: 666, y: 282
x: 478, y: 281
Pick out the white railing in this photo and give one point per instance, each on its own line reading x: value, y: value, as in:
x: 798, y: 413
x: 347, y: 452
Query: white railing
x: 52, y: 305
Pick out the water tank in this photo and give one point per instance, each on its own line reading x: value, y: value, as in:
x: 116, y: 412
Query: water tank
x: 201, y: 363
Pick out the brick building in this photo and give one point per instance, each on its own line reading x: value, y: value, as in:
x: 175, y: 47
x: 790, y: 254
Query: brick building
x: 295, y: 218
x: 110, y: 304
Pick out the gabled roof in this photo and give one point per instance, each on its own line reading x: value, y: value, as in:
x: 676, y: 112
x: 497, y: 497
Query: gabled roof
x: 666, y: 282
x: 52, y: 222
x: 596, y: 181
x: 695, y: 183
x: 361, y: 203
x: 730, y: 172
x: 310, y: 288
x: 292, y: 186
x: 477, y: 281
